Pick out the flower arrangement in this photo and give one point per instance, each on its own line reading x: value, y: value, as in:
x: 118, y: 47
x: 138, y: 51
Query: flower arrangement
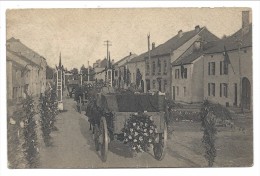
x: 48, y: 113
x: 139, y: 132
x: 29, y: 131
x: 209, y: 114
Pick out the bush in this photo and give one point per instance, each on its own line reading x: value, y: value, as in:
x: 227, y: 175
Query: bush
x: 209, y: 114
x: 30, y: 136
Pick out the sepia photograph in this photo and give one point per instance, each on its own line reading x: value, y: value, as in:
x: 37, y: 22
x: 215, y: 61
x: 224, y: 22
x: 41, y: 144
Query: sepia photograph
x: 95, y: 88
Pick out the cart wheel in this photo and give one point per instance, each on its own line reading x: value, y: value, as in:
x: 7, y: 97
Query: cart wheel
x: 96, y: 137
x: 159, y: 148
x: 103, y: 139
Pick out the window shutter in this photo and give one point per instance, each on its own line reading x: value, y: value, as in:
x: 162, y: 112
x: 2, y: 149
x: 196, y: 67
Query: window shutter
x: 220, y: 67
x: 209, y: 68
x: 220, y: 90
x: 208, y: 89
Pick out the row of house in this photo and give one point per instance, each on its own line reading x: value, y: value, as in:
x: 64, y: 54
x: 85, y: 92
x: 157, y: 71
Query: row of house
x: 193, y: 66
x: 26, y: 71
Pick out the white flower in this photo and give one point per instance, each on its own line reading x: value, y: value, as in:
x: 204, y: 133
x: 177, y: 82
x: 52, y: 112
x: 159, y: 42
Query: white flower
x: 150, y: 131
x: 150, y: 140
x: 145, y: 134
x: 145, y: 130
x: 136, y: 133
x: 145, y: 124
x: 130, y: 137
x: 124, y: 134
x: 140, y: 138
x: 134, y: 124
x: 134, y: 148
x: 131, y: 129
x: 138, y: 146
x: 135, y: 140
x: 138, y: 128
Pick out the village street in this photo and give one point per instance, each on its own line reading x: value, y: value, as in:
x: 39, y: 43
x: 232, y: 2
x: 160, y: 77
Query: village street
x: 73, y: 147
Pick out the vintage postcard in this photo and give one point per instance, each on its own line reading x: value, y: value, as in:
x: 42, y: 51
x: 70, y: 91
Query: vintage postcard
x: 129, y: 88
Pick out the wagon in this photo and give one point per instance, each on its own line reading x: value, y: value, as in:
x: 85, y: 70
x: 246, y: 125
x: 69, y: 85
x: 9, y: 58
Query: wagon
x: 72, y: 85
x: 109, y: 113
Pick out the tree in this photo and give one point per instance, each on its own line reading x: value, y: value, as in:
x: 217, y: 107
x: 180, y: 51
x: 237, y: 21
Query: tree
x: 138, y: 77
x: 74, y: 71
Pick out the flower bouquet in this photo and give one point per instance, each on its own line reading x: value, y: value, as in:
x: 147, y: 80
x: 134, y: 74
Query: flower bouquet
x: 139, y: 132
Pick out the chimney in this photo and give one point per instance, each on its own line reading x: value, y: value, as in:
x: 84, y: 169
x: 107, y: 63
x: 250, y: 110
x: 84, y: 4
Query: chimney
x: 245, y: 22
x: 130, y: 54
x: 153, y: 45
x: 197, y: 28
x: 245, y: 19
x: 148, y: 40
x: 180, y: 33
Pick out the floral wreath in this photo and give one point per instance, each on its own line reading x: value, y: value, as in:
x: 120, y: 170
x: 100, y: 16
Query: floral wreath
x: 139, y: 132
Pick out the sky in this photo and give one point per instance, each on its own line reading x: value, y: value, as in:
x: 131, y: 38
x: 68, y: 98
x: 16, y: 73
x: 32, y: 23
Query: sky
x: 79, y: 34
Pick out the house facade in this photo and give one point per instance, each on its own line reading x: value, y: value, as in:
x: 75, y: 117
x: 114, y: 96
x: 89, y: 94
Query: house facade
x: 158, y: 60
x: 26, y: 71
x: 187, y: 67
x: 228, y: 70
x: 137, y: 72
x: 122, y: 74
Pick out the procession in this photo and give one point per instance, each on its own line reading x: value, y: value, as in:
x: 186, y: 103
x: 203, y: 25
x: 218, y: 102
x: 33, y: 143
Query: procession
x: 186, y: 102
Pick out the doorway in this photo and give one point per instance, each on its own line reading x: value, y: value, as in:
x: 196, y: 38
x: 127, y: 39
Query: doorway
x: 246, y: 93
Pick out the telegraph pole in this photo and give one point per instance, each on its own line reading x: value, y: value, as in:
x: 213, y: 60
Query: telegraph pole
x: 107, y: 44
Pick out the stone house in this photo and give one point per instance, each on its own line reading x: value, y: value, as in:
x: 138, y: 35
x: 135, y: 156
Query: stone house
x: 26, y: 70
x: 120, y: 70
x: 228, y: 72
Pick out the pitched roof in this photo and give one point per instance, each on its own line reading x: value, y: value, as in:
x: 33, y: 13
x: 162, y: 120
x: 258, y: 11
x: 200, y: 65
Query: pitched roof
x: 16, y: 46
x: 130, y: 56
x: 232, y: 42
x: 188, y: 59
x: 138, y: 58
x: 175, y: 42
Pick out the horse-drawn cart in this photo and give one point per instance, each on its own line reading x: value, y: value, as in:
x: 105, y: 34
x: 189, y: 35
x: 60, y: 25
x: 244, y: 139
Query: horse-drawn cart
x: 109, y: 112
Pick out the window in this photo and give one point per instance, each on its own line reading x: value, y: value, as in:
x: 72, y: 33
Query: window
x: 177, y: 90
x: 116, y: 73
x: 147, y: 68
x: 223, y: 90
x: 223, y: 68
x: 211, y: 68
x: 154, y: 82
x: 153, y: 68
x: 159, y: 67
x: 211, y: 89
x: 165, y: 67
x: 185, y: 73
x: 165, y: 85
x: 184, y: 91
x: 177, y: 73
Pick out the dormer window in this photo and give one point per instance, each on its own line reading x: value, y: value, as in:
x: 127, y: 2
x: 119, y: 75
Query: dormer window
x: 197, y: 45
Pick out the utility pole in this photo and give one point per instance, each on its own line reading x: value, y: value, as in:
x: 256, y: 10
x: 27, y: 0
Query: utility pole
x: 107, y: 44
x: 240, y: 78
